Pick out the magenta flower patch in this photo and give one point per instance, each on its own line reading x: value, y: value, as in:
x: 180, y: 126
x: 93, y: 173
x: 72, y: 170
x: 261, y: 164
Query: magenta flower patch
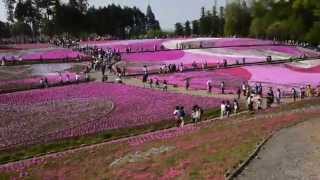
x: 132, y: 107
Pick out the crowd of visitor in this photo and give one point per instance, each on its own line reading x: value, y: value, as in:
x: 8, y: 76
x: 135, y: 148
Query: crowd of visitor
x: 62, y: 80
x: 254, y: 96
x: 180, y: 115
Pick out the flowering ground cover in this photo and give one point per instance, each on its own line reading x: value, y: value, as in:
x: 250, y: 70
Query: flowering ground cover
x: 42, y: 55
x: 230, y: 49
x: 135, y: 45
x: 283, y: 76
x: 28, y: 46
x: 133, y: 107
x: 208, y: 151
x: 41, y: 119
x: 25, y: 77
x: 198, y: 79
x: 34, y: 82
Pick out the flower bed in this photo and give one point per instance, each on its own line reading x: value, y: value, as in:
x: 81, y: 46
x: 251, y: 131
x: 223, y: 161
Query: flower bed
x: 135, y: 45
x: 280, y: 75
x: 133, y: 107
x: 43, y: 55
x: 232, y: 50
x: 198, y: 79
x: 29, y: 46
x: 34, y: 83
x: 154, y: 56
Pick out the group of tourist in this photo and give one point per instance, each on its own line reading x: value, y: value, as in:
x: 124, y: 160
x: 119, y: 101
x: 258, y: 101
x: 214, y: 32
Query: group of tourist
x: 142, y: 49
x: 227, y: 108
x: 44, y: 82
x: 254, y: 97
x: 305, y: 91
x: 171, y: 68
x: 155, y: 83
x: 180, y: 115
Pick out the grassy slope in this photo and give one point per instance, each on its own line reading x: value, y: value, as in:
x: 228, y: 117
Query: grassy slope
x: 205, y: 154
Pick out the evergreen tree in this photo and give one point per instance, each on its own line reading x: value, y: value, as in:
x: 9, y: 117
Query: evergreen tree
x: 195, y: 27
x: 152, y: 23
x: 187, y: 28
x: 178, y: 29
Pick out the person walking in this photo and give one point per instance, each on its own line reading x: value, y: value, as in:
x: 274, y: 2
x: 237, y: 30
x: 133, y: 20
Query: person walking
x: 302, y: 92
x: 151, y: 83
x: 209, y: 86
x: 228, y: 108
x: 157, y: 83
x: 250, y: 103
x: 165, y: 85
x: 103, y: 69
x: 222, y: 109
x: 235, y: 106
x: 294, y: 94
x: 259, y: 103
x: 196, y: 114
x: 222, y: 86
x: 77, y: 78
x: 309, y: 90
x: 260, y: 89
x: 244, y: 88
x: 182, y: 116
x: 144, y: 79
x: 145, y: 69
x: 181, y: 67
x: 238, y: 93
x: 270, y: 97
x: 187, y: 83
x: 176, y: 114
x: 278, y: 96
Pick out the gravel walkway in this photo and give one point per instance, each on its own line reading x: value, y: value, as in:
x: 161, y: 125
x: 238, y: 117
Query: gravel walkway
x: 292, y: 153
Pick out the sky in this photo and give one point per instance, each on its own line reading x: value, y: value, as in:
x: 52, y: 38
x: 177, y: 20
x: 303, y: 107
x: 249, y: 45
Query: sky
x: 168, y: 12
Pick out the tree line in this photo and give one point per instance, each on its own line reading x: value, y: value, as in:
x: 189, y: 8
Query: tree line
x: 36, y: 18
x: 297, y: 20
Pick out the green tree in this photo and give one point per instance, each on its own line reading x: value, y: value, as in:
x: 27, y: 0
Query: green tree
x: 257, y: 28
x: 237, y: 20
x: 4, y: 30
x: 313, y: 36
x: 278, y: 30
x: 187, y: 28
x: 195, y: 27
x: 178, y: 29
x: 152, y: 23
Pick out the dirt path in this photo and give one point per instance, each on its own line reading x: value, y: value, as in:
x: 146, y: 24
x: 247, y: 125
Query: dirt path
x: 292, y: 153
x: 136, y: 82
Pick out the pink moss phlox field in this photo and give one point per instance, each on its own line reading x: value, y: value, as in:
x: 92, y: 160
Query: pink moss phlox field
x: 29, y: 46
x: 281, y: 75
x: 133, y: 106
x: 198, y: 79
x: 231, y: 49
x: 240, y: 42
x: 315, y: 69
x: 42, y: 54
x: 33, y: 82
x: 53, y: 54
x: 135, y: 45
x: 154, y: 56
